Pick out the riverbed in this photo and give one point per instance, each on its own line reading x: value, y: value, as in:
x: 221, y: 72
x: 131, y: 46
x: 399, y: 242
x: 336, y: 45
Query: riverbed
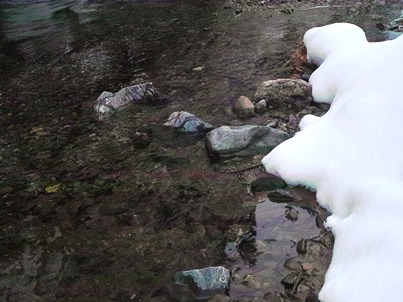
x: 91, y: 212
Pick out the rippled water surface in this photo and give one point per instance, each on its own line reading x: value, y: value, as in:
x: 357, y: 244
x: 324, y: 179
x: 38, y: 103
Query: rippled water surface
x: 90, y: 212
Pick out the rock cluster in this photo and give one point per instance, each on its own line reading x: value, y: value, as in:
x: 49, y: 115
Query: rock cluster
x: 224, y: 141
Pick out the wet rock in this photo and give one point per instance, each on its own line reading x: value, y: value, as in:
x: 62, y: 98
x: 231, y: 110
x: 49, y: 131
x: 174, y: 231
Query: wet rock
x: 319, y: 222
x: 243, y: 107
x: 312, y: 298
x: 267, y: 183
x: 285, y: 93
x: 260, y: 107
x: 110, y: 210
x: 275, y: 297
x: 145, y: 93
x: 291, y: 279
x: 293, y: 122
x: 293, y: 264
x: 249, y: 140
x: 391, y: 35
x: 213, y: 232
x: 291, y: 214
x: 302, y: 246
x: 65, y: 14
x: 251, y: 281
x: 188, y: 123
x: 196, y: 232
x: 205, y: 282
x: 302, y: 291
x: 142, y: 137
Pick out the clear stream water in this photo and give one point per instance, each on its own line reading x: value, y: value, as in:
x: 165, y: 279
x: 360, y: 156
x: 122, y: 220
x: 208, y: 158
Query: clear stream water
x: 88, y: 211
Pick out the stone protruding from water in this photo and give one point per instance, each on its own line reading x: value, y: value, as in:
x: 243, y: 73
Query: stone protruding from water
x: 285, y: 94
x: 248, y: 140
x: 188, y: 123
x: 205, y: 282
x: 244, y: 107
x: 145, y: 93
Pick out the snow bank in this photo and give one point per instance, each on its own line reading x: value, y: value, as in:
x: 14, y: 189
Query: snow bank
x: 353, y: 158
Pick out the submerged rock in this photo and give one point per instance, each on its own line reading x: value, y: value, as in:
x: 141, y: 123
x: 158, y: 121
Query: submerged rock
x: 395, y: 28
x: 65, y: 14
x: 285, y: 93
x: 229, y: 141
x: 205, y: 282
x: 267, y: 183
x: 188, y: 122
x: 145, y: 93
x: 282, y: 196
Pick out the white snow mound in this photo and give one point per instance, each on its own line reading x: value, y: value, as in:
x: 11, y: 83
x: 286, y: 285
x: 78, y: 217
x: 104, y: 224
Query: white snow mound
x: 353, y: 157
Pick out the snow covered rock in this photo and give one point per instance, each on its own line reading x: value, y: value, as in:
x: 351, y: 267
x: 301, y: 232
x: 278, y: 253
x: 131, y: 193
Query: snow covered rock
x: 285, y: 93
x: 352, y: 157
x: 188, y: 122
x: 146, y: 93
x: 228, y: 141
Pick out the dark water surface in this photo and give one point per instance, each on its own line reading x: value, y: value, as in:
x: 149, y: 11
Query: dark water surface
x: 90, y: 212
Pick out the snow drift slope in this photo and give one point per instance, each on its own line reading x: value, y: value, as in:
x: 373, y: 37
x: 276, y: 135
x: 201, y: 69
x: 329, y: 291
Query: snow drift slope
x: 353, y: 157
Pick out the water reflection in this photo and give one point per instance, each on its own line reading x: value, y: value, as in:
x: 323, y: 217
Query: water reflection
x: 261, y: 250
x: 40, y: 30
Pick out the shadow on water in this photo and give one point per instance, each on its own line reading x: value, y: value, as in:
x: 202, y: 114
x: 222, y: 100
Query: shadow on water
x: 91, y: 211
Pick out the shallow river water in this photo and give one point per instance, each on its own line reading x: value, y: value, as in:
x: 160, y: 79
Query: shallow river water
x: 90, y: 212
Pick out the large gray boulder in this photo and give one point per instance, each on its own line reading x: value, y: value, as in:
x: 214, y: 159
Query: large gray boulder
x: 285, y: 94
x: 249, y: 140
